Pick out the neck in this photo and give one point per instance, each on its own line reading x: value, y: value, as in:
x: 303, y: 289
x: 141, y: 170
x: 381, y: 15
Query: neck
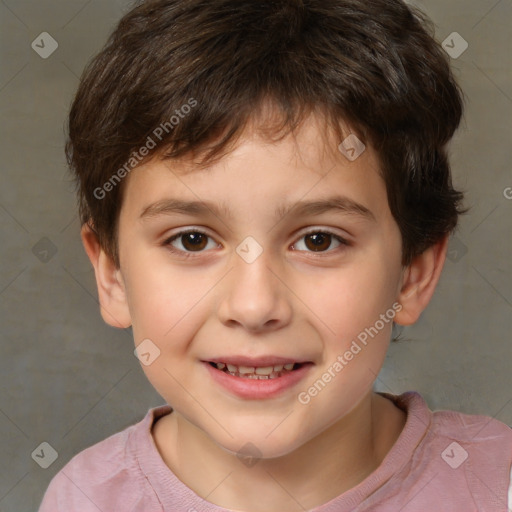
x: 336, y: 460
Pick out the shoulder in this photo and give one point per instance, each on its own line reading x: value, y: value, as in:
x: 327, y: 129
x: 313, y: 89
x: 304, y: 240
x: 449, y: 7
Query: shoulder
x: 485, y: 442
x: 465, y: 459
x: 475, y: 449
x: 103, y: 460
x: 95, y: 478
x: 473, y: 430
x: 485, y: 439
x: 445, y: 424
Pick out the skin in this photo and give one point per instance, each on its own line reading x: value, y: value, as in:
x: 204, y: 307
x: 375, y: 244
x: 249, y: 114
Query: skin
x: 291, y: 301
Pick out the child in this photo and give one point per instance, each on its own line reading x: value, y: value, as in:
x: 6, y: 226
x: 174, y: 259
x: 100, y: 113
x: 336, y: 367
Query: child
x: 256, y: 131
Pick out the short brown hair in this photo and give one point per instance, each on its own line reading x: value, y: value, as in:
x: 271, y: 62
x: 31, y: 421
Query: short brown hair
x: 374, y: 65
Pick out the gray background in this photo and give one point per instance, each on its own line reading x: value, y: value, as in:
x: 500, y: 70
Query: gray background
x: 70, y: 380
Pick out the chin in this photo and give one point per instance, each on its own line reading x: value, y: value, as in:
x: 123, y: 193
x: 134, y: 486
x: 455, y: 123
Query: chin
x: 258, y: 444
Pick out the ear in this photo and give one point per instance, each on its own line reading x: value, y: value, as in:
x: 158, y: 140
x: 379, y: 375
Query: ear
x: 111, y: 290
x: 419, y: 281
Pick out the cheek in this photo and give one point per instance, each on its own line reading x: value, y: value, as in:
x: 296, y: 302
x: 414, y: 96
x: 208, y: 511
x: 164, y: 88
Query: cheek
x: 348, y: 300
x: 355, y: 341
x: 162, y: 298
x: 348, y: 305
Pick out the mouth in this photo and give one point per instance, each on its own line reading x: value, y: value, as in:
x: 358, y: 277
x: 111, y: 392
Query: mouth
x: 257, y: 372
x: 257, y: 379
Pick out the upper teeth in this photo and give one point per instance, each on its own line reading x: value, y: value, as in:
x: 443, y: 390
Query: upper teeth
x: 259, y: 370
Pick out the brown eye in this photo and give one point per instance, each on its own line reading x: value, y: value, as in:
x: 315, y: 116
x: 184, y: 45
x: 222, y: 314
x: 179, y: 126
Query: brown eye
x: 190, y: 241
x: 194, y: 241
x: 320, y: 242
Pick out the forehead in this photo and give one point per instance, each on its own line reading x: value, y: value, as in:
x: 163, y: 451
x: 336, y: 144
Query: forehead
x: 306, y: 163
x: 312, y: 137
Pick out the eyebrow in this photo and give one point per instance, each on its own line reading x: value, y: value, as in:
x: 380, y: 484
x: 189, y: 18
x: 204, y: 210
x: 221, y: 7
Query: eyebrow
x: 170, y: 206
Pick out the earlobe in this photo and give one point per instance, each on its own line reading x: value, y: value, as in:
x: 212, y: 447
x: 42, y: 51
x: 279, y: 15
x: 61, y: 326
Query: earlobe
x: 420, y: 279
x: 111, y: 289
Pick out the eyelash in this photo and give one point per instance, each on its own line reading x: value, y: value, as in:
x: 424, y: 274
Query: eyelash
x: 192, y: 254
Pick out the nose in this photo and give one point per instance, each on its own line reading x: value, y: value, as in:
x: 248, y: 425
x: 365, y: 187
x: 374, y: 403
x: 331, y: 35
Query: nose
x: 254, y: 296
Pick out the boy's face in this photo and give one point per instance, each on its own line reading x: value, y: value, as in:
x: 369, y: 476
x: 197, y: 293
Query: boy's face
x: 228, y: 301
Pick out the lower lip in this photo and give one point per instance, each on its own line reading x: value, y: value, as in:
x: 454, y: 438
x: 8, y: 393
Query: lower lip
x: 256, y: 389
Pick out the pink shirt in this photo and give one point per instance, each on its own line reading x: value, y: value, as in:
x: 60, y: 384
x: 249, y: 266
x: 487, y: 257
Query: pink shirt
x: 442, y: 461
